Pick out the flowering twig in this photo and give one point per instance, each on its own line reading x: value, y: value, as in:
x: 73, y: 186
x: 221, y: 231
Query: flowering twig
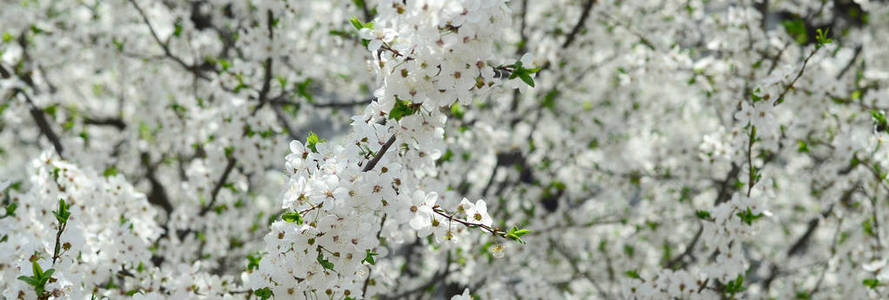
x: 799, y: 74
x: 493, y: 230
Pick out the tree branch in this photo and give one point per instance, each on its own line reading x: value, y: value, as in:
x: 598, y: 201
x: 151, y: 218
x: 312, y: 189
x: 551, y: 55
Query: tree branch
x: 165, y: 45
x: 689, y: 250
x: 373, y: 162
x: 281, y: 100
x: 42, y: 123
x: 587, y: 7
x: 113, y: 122
x: 267, y: 76
x: 228, y: 170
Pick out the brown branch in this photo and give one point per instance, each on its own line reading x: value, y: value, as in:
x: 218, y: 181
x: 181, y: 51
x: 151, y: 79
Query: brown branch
x: 573, y: 262
x: 113, y: 122
x: 55, y: 254
x: 42, y: 123
x: 851, y: 62
x: 165, y: 46
x: 281, y: 100
x: 228, y: 170
x: 523, y: 47
x: 267, y: 76
x: 4, y: 73
x: 282, y: 118
x: 675, y: 263
x: 367, y: 281
x: 495, y: 231
x: 799, y: 74
x: 158, y: 194
x: 373, y: 162
x: 725, y: 192
x: 587, y: 7
x: 368, y: 16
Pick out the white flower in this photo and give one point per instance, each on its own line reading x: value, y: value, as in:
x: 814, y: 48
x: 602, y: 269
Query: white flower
x: 478, y: 213
x: 464, y: 296
x: 420, y: 210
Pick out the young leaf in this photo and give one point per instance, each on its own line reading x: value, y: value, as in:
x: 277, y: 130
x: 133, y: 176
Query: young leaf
x: 324, y: 262
x: 515, y: 234
x: 703, y: 214
x: 369, y: 257
x: 748, y: 217
x: 871, y: 283
x: 402, y: 108
x: 312, y: 141
x: 253, y: 261
x: 292, y: 217
x: 263, y: 293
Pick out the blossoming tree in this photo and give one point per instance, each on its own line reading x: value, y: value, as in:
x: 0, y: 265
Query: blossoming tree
x: 462, y: 149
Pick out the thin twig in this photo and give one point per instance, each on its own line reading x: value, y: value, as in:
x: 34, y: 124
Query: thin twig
x: 165, y: 45
x: 689, y: 251
x: 42, y: 123
x: 587, y: 7
x: 799, y: 74
x: 228, y: 169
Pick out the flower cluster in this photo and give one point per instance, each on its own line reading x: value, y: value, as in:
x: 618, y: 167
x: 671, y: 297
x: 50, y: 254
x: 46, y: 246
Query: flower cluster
x: 379, y: 184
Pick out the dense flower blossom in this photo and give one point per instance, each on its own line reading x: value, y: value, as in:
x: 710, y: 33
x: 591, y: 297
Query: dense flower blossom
x: 218, y: 149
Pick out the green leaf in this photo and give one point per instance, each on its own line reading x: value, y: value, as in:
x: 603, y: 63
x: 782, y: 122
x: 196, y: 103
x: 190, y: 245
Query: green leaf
x: 457, y: 110
x: 703, y: 214
x: 868, y: 227
x: 324, y: 262
x: 369, y: 257
x: 110, y: 171
x: 879, y: 120
x: 356, y: 23
x: 253, y: 261
x: 402, y: 108
x: 62, y: 214
x: 526, y: 77
x: 312, y: 141
x: 633, y: 274
x: 36, y: 269
x: 549, y: 101
x: 10, y: 209
x: 47, y: 274
x: 302, y: 89
x: 796, y: 28
x: 177, y: 31
x: 803, y: 147
x: 735, y: 286
x: 263, y: 293
x: 30, y: 280
x: 872, y: 283
x: 292, y: 217
x: 822, y: 38
x: 523, y: 73
x: 748, y: 217
x: 225, y: 64
x: 515, y: 234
